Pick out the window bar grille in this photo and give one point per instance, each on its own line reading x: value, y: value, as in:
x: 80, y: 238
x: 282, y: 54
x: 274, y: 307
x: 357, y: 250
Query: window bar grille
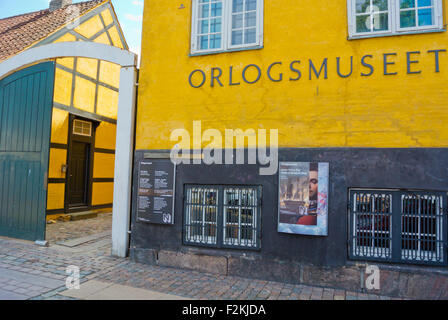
x: 201, y: 215
x: 398, y: 226
x: 422, y: 228
x: 372, y: 225
x: 240, y: 214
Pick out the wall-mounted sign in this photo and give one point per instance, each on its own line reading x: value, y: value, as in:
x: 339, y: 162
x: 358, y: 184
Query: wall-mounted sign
x: 155, y: 198
x: 303, y: 198
x: 312, y: 68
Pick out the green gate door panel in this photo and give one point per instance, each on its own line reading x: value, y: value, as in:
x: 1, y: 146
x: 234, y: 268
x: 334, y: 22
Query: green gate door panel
x: 26, y: 99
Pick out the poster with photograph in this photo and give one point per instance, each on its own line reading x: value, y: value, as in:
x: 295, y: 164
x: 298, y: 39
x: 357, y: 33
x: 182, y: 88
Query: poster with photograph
x: 303, y: 198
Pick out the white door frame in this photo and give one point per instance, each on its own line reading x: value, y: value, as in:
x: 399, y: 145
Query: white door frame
x: 125, y: 119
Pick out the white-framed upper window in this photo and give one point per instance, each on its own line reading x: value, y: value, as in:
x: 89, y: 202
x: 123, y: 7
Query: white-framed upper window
x: 388, y: 17
x: 82, y: 128
x: 224, y: 25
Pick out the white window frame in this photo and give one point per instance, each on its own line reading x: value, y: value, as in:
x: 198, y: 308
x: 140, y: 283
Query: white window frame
x: 438, y: 21
x: 226, y: 41
x: 394, y: 21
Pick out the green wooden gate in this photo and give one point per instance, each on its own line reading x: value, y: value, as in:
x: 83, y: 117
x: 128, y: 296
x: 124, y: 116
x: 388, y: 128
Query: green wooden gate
x: 26, y: 99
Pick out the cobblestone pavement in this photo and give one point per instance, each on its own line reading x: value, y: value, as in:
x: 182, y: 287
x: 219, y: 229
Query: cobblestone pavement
x: 28, y: 271
x: 60, y: 230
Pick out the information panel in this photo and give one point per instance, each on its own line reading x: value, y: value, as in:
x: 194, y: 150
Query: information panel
x: 155, y: 203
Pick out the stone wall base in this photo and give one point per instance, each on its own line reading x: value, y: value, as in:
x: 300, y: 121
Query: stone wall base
x: 395, y: 281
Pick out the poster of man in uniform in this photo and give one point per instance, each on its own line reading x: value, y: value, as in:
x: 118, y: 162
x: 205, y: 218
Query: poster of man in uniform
x: 303, y: 198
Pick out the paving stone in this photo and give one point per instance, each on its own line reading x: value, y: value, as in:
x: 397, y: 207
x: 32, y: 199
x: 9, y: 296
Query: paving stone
x: 8, y: 295
x: 42, y: 272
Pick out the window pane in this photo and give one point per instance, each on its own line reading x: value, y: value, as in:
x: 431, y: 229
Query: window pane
x: 380, y: 4
x: 251, y: 5
x: 203, y: 42
x: 424, y: 3
x: 215, y: 26
x: 237, y: 6
x: 380, y: 22
x: 237, y: 21
x: 405, y: 4
x: 363, y: 23
x: 215, y: 41
x: 204, y: 11
x: 425, y: 17
x: 407, y: 19
x: 251, y: 19
x: 216, y: 9
x: 362, y: 6
x: 203, y: 26
x: 237, y: 37
x: 250, y: 36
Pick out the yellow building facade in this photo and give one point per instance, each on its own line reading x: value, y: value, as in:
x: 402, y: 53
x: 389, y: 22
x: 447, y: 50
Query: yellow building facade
x: 377, y: 110
x: 86, y: 90
x: 356, y: 92
x: 85, y: 102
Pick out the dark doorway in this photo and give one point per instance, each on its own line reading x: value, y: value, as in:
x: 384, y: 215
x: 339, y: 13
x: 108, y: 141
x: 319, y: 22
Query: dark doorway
x: 80, y: 164
x: 78, y: 174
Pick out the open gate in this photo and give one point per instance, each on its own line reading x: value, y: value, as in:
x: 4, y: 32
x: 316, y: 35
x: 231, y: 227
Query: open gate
x: 26, y: 99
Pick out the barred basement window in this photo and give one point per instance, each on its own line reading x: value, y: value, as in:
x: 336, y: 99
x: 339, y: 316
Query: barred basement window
x: 221, y: 216
x: 422, y: 222
x: 202, y: 209
x: 240, y: 212
x: 372, y: 225
x: 398, y: 226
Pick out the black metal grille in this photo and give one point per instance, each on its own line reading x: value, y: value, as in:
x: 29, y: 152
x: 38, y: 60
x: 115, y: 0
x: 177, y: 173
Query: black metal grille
x: 422, y: 228
x: 201, y: 214
x: 398, y: 226
x: 222, y: 216
x: 240, y: 217
x: 372, y: 232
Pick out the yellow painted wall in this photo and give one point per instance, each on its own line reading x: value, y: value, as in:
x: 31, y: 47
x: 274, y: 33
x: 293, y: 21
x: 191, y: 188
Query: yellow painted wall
x: 102, y: 193
x: 403, y: 110
x: 55, y: 196
x: 58, y: 158
x: 84, y: 95
x: 104, y: 165
x: 90, y: 27
x: 105, y: 136
x: 107, y: 102
x: 87, y: 67
x: 110, y: 73
x: 62, y: 87
x: 59, y: 127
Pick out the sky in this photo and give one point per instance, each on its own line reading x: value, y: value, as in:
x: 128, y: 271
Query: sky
x: 129, y: 12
